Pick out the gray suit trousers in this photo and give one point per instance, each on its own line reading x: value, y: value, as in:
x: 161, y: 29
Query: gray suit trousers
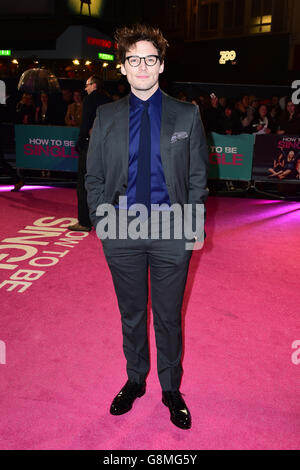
x: 130, y: 262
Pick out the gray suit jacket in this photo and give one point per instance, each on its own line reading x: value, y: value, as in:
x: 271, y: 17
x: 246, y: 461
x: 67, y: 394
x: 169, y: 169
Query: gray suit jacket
x: 183, y: 150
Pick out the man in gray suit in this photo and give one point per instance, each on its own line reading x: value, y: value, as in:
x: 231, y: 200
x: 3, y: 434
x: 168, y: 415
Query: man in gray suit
x: 152, y: 149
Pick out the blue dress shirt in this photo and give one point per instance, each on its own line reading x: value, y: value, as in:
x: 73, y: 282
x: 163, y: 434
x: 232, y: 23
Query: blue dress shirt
x: 159, y: 192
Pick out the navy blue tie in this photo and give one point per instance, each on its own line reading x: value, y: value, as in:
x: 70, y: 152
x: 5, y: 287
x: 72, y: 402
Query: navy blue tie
x: 143, y: 177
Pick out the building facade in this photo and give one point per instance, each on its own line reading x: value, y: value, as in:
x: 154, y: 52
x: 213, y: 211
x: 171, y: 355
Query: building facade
x: 220, y: 41
x: 237, y: 41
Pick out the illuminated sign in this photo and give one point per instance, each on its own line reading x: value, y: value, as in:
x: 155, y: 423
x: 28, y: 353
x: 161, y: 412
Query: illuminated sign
x: 226, y: 55
x: 100, y: 42
x: 106, y: 56
x: 5, y: 52
x: 86, y: 7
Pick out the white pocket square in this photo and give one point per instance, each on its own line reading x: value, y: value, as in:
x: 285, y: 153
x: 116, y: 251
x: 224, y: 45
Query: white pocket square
x: 178, y: 136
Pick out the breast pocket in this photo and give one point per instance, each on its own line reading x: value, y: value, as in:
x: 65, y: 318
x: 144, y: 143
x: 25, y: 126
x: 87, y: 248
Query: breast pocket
x: 180, y: 145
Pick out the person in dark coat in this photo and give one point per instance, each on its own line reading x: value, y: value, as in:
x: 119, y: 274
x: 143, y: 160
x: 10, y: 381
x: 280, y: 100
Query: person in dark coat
x: 212, y: 115
x: 289, y: 121
x: 25, y: 110
x: 45, y: 113
x: 229, y: 122
x: 91, y: 102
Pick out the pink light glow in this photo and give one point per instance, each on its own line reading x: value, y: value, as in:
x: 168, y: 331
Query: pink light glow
x: 24, y: 188
x: 268, y: 201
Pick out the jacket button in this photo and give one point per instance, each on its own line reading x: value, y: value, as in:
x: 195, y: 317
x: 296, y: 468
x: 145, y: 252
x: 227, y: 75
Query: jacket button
x: 124, y: 185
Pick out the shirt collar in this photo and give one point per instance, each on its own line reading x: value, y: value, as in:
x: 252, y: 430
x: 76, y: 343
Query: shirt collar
x: 154, y: 99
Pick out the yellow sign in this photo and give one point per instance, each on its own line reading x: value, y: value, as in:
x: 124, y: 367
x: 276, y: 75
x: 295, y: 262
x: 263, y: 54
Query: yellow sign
x: 226, y: 55
x: 86, y: 7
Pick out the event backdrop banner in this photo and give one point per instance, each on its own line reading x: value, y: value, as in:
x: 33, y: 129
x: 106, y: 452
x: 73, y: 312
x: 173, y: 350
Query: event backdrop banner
x: 230, y: 156
x: 276, y: 158
x: 46, y: 147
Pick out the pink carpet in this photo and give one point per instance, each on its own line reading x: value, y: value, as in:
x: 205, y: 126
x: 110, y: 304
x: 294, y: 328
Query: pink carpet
x: 60, y: 338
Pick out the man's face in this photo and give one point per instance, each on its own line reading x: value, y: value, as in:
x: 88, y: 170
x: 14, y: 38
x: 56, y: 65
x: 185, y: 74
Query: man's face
x: 90, y: 86
x: 143, y: 79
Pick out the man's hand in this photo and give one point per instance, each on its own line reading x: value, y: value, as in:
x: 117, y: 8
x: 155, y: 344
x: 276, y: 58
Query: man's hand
x: 198, y: 245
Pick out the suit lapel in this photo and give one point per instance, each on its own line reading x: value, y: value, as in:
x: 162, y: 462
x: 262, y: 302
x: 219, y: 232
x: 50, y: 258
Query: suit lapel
x: 168, y: 120
x: 122, y: 134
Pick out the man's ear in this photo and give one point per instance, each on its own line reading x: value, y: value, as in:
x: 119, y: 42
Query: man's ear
x: 161, y: 67
x: 123, y: 70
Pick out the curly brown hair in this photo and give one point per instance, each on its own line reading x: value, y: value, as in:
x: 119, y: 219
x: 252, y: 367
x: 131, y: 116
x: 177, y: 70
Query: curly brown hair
x: 126, y: 37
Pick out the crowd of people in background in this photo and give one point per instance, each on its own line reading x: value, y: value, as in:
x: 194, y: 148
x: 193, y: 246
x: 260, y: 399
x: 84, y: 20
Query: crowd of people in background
x: 251, y: 115
x: 245, y: 115
x: 57, y: 110
x: 49, y: 110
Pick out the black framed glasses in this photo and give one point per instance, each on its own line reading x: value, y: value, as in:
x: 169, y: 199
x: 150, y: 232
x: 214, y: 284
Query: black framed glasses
x: 135, y: 60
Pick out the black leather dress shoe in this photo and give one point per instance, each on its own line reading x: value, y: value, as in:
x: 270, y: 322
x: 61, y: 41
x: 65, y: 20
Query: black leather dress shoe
x: 124, y: 400
x: 179, y: 413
